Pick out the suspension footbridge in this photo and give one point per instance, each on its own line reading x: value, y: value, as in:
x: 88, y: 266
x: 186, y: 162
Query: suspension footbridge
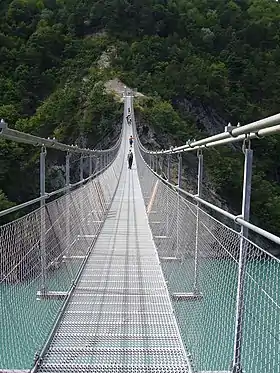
x: 125, y: 271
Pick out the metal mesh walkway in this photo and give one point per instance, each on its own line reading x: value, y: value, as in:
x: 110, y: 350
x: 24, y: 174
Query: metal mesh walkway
x: 120, y: 318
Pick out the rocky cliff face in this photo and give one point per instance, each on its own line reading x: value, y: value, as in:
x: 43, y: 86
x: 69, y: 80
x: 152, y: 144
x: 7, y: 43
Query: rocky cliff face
x: 157, y: 141
x: 207, y: 119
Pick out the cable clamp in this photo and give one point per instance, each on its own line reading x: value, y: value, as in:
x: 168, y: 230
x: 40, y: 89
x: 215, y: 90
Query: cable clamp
x: 229, y: 128
x: 238, y: 217
x: 258, y: 136
x: 246, y: 144
x: 189, y: 143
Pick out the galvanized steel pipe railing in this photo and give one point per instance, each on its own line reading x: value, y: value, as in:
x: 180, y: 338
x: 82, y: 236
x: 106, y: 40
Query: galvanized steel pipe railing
x: 258, y: 129
x: 108, y: 156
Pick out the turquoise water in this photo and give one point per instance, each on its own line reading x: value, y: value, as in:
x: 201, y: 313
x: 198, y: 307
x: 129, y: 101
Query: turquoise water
x: 25, y: 321
x: 207, y: 326
x: 25, y: 324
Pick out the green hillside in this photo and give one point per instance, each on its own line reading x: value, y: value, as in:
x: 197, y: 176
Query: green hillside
x: 216, y: 55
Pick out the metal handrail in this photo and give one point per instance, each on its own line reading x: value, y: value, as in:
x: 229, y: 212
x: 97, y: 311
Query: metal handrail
x: 258, y: 129
x: 236, y: 218
x: 50, y: 194
x: 26, y: 138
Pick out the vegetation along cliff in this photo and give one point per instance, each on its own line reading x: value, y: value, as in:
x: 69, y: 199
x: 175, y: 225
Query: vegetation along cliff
x: 199, y: 63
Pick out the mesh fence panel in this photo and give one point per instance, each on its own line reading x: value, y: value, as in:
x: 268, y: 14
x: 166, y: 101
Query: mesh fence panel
x: 71, y: 225
x: 260, y: 343
x: 199, y: 256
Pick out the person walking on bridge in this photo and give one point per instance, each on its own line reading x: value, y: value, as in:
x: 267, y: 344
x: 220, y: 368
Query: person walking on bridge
x: 130, y: 159
x: 131, y: 141
x: 128, y: 119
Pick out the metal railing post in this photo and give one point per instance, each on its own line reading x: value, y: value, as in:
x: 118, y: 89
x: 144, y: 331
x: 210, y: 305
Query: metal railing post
x: 178, y: 199
x: 81, y: 198
x: 156, y: 163
x: 67, y: 199
x: 101, y: 162
x: 81, y: 167
x: 67, y: 184
x: 179, y: 170
x: 167, y: 199
x: 98, y: 168
x: 199, y: 190
x: 168, y: 167
x: 43, y: 219
x: 247, y: 179
x: 90, y: 165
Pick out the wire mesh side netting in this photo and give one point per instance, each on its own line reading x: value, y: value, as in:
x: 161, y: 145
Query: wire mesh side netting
x: 27, y: 267
x: 199, y: 256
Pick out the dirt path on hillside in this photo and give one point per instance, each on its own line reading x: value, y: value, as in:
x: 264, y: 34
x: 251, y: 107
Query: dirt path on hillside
x: 117, y: 87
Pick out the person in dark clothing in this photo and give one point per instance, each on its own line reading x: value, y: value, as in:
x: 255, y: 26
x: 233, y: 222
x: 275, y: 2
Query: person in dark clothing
x: 131, y: 141
x: 130, y: 159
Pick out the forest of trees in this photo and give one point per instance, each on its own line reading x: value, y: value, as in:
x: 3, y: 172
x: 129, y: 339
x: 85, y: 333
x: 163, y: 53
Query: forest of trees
x: 223, y: 54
